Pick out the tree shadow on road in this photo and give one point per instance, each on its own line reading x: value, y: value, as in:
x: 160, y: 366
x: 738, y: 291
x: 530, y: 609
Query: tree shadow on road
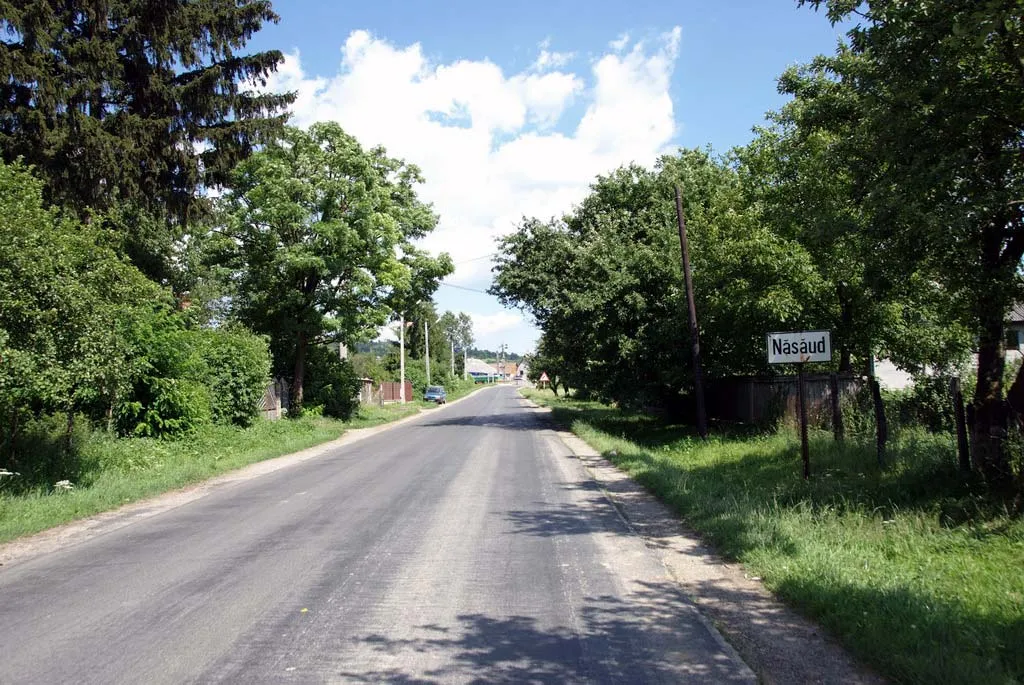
x: 651, y: 636
x: 514, y: 421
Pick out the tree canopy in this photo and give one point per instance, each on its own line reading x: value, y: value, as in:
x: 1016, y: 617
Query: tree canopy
x: 318, y: 235
x: 132, y: 107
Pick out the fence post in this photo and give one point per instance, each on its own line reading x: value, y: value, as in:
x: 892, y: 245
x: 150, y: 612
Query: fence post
x: 960, y: 417
x: 837, y: 411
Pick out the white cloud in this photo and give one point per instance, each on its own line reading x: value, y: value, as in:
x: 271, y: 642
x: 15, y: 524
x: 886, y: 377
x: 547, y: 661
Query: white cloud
x: 494, y: 146
x: 488, y: 324
x: 620, y: 43
x: 548, y: 59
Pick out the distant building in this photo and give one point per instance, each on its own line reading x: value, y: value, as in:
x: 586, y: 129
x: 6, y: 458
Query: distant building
x: 1015, y: 332
x: 481, y: 371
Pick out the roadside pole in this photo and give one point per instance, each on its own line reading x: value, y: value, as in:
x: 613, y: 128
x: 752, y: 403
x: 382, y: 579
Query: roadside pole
x: 426, y: 337
x: 698, y: 373
x: 805, y: 450
x: 401, y: 354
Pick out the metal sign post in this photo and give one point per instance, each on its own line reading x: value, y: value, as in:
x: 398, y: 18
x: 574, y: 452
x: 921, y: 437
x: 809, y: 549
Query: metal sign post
x: 805, y: 450
x: 799, y: 348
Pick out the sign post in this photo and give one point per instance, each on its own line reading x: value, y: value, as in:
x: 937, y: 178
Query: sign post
x: 799, y: 348
x: 805, y: 452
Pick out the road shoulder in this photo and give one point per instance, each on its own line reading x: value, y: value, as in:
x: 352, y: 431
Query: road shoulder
x: 777, y: 643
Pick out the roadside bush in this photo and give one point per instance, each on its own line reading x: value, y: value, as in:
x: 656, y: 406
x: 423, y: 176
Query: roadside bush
x: 234, y: 364
x: 165, y: 407
x: 331, y: 384
x: 367, y: 365
x: 927, y: 403
x: 162, y: 400
x: 46, y: 450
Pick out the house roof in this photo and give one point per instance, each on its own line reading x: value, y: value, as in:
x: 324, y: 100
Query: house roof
x: 1017, y: 313
x: 480, y: 366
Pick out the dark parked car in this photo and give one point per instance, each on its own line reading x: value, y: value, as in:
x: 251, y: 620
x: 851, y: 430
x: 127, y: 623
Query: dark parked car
x: 435, y: 393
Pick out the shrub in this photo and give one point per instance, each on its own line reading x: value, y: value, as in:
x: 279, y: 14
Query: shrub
x: 164, y: 407
x: 45, y: 450
x: 331, y: 384
x: 927, y: 403
x: 234, y: 365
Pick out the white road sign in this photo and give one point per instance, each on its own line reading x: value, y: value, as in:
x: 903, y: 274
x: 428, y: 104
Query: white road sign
x: 800, y: 346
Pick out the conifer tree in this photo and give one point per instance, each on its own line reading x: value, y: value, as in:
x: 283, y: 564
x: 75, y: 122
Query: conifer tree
x: 129, y: 107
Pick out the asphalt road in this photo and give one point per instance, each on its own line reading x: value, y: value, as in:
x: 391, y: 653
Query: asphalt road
x: 464, y: 546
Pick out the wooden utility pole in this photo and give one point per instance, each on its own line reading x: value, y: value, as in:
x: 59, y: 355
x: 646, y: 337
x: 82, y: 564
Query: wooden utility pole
x: 698, y: 373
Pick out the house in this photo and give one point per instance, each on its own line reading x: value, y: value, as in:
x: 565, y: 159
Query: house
x: 481, y: 371
x: 1015, y: 332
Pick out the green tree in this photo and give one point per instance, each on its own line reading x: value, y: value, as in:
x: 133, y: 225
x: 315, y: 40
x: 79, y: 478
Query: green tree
x: 605, y: 285
x: 68, y: 310
x: 449, y: 325
x: 936, y: 118
x: 465, y: 337
x: 130, y: 107
x: 801, y: 181
x: 318, y: 234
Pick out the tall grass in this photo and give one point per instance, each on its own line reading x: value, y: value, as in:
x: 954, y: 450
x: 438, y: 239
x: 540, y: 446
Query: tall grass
x: 914, y: 568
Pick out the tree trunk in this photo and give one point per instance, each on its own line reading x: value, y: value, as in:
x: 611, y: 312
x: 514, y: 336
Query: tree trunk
x: 846, y: 325
x: 845, y: 363
x: 838, y: 430
x: 990, y: 412
x: 963, y: 449
x: 298, y: 377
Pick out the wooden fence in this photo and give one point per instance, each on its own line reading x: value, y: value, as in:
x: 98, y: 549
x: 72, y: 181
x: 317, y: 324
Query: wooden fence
x: 766, y: 400
x: 275, y: 399
x: 390, y: 391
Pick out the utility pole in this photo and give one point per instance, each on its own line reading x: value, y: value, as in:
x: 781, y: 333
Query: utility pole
x: 426, y: 337
x: 698, y: 373
x: 401, y: 364
x: 452, y: 341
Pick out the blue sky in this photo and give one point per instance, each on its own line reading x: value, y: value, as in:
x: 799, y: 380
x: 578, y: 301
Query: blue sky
x: 512, y: 108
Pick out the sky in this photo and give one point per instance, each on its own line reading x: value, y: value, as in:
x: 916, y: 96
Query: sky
x: 512, y: 109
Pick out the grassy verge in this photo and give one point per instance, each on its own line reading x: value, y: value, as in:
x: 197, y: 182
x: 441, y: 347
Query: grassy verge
x: 914, y: 570
x: 119, y: 471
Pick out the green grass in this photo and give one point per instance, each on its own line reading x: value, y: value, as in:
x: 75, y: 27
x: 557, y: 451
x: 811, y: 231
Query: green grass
x: 913, y: 569
x: 119, y: 471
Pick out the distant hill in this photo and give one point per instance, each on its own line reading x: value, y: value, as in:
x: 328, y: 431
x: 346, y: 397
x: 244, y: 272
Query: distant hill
x: 379, y: 348
x: 490, y: 354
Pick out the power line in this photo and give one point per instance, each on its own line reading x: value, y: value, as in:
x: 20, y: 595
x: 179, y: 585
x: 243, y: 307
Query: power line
x: 462, y: 287
x: 476, y: 259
